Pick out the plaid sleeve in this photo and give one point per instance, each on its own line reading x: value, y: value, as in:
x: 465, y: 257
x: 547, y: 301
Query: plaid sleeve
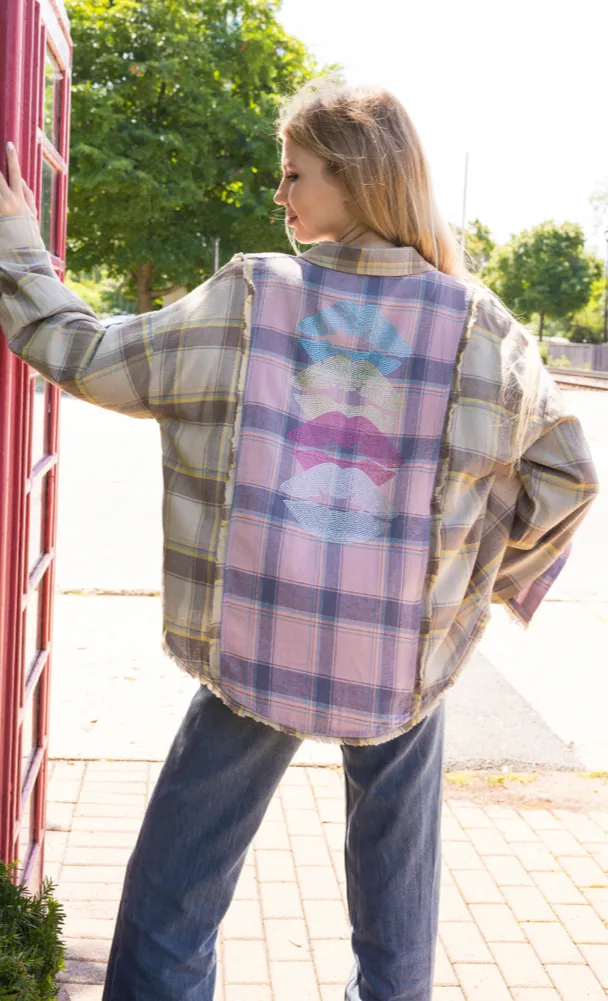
x: 527, y: 601
x: 132, y: 367
x: 558, y: 485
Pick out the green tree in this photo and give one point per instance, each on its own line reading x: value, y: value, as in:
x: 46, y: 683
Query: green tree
x: 599, y: 204
x: 172, y: 135
x: 101, y: 293
x: 587, y: 325
x: 479, y: 245
x: 544, y: 270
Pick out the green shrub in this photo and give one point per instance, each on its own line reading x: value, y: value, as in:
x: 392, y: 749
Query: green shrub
x: 104, y: 295
x: 580, y: 334
x: 563, y: 362
x: 544, y: 353
x: 31, y: 951
x: 588, y: 323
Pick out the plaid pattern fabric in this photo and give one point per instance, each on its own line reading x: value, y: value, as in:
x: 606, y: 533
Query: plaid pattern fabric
x: 338, y: 448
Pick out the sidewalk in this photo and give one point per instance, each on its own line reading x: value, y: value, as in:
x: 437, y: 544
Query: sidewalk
x: 524, y: 906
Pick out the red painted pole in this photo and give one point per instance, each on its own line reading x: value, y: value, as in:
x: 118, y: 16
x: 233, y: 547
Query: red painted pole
x: 11, y: 118
x: 27, y: 28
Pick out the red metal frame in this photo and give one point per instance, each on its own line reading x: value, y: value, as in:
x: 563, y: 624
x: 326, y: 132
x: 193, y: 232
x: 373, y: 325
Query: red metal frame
x: 27, y: 27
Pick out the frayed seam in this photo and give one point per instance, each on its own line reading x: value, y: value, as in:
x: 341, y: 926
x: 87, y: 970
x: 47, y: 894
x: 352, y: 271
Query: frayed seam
x: 245, y: 713
x: 442, y: 474
x: 513, y: 615
x: 222, y: 545
x: 437, y: 498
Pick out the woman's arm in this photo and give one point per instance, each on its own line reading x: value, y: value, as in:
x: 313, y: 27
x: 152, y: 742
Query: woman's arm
x: 558, y: 485
x: 158, y: 364
x: 56, y: 333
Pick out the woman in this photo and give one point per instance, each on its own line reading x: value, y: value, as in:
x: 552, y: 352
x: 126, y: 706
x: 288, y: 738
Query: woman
x: 361, y: 451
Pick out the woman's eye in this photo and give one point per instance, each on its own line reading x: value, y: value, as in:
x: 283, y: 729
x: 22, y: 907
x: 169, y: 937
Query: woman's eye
x: 292, y: 177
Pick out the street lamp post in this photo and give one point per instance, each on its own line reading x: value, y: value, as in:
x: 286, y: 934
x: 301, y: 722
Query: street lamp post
x: 463, y: 232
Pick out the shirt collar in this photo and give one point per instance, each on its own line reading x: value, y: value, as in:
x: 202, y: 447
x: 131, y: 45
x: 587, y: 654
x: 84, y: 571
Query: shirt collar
x: 386, y: 262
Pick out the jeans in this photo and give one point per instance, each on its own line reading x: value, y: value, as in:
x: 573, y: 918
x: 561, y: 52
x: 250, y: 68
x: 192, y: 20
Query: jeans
x: 210, y: 799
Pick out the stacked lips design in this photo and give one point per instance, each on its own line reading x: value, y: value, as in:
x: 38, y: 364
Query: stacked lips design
x: 342, y: 447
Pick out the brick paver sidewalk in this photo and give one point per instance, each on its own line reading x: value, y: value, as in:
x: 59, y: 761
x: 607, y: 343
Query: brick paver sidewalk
x: 524, y: 907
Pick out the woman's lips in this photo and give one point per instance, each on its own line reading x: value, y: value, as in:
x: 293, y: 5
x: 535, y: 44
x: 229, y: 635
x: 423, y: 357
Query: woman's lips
x: 291, y: 219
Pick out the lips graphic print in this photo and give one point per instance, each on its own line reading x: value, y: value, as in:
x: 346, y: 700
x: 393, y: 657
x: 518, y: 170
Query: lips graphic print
x: 353, y: 433
x: 344, y: 449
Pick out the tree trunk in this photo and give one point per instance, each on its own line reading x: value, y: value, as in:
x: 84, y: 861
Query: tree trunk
x: 143, y: 282
x: 541, y: 327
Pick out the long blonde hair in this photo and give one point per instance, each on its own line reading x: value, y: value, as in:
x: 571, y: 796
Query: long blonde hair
x: 368, y: 140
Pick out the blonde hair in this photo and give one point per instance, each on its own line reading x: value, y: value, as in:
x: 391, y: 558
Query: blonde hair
x: 368, y: 140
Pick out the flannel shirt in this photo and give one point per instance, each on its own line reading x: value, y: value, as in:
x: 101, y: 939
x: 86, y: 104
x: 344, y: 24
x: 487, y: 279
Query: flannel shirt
x: 341, y: 504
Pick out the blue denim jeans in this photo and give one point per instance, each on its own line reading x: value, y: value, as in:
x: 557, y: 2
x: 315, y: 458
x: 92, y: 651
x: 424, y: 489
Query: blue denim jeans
x: 210, y: 799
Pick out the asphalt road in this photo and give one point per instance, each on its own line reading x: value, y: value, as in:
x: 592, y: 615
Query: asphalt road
x: 525, y: 701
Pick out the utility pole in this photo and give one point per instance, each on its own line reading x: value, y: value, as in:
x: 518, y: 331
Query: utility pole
x: 463, y: 235
x: 216, y: 254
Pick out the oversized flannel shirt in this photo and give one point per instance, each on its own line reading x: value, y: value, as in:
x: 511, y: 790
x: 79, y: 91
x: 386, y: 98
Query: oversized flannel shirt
x: 341, y: 504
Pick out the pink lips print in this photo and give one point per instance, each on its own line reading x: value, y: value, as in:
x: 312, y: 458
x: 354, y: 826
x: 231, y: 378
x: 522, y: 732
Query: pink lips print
x: 357, y: 433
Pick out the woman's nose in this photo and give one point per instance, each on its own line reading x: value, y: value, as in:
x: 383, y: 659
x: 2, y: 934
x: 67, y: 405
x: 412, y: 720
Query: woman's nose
x: 279, y: 197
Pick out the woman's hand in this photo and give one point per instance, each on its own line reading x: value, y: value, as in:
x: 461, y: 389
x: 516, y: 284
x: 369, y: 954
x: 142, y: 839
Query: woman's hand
x: 15, y: 196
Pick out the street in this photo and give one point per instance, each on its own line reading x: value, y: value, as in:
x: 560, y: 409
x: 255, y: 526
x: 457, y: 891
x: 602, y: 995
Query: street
x: 528, y: 699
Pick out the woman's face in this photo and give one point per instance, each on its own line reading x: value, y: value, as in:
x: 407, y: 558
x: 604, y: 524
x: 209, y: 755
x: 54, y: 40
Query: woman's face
x: 313, y: 198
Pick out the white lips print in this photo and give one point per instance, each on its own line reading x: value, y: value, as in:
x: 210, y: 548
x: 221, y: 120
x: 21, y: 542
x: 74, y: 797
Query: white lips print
x: 346, y: 374
x: 316, y: 404
x: 328, y: 480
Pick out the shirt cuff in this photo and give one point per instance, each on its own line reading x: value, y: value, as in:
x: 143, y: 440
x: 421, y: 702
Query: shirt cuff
x: 19, y: 232
x: 525, y: 604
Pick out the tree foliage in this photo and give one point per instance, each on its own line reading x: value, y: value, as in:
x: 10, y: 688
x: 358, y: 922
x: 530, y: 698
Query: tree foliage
x: 173, y: 107
x: 100, y: 292
x: 599, y: 204
x: 587, y: 325
x: 544, y: 271
x: 479, y: 246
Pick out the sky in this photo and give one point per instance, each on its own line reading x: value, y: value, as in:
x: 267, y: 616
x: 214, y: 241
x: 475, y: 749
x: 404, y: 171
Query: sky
x: 521, y: 86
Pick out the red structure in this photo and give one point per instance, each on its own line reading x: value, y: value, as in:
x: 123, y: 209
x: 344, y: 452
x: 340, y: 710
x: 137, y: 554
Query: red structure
x: 35, y: 60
